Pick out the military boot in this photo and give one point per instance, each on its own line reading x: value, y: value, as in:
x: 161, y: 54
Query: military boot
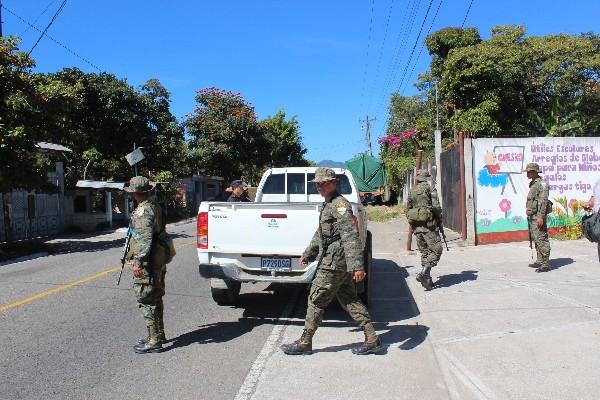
x: 424, y: 278
x: 534, y: 265
x: 543, y: 268
x: 153, y: 344
x: 371, y: 345
x: 302, y: 346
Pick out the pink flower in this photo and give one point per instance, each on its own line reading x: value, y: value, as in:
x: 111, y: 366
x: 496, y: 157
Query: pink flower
x: 504, y: 205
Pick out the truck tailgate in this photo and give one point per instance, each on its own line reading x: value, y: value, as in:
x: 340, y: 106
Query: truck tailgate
x: 261, y: 228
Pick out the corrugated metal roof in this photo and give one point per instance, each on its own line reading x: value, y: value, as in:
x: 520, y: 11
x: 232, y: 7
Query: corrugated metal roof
x: 100, y: 185
x: 52, y: 146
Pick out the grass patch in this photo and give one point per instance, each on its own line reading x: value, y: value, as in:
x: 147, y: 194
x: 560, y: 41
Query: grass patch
x: 22, y: 248
x: 384, y: 213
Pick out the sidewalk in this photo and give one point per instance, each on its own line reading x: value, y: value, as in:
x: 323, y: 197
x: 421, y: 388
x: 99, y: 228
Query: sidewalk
x: 492, y: 329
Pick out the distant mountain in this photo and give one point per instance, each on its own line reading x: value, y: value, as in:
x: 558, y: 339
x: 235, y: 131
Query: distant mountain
x: 331, y: 164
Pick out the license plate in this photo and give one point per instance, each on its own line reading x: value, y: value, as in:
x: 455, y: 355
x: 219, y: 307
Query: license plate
x: 276, y: 264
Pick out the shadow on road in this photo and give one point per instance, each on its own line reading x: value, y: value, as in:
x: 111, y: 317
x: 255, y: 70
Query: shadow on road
x: 391, y: 302
x: 561, y: 262
x: 76, y: 245
x: 455, y: 279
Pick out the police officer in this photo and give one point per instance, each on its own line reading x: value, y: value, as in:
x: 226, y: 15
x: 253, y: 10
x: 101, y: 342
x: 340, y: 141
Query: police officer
x: 238, y: 192
x: 340, y: 264
x: 537, y: 210
x: 148, y: 262
x: 423, y: 212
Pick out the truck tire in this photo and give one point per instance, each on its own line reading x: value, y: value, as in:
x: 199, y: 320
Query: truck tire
x: 225, y: 292
x: 365, y: 295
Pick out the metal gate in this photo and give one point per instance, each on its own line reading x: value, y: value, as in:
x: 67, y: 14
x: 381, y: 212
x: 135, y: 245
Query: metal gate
x: 451, y: 188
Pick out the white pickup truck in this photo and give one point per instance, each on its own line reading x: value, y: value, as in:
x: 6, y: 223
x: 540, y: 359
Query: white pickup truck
x: 263, y: 241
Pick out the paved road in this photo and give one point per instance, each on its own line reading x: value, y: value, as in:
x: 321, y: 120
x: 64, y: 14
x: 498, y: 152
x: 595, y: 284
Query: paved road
x: 67, y: 330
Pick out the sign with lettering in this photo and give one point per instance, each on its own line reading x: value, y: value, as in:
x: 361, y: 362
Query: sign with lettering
x: 569, y: 165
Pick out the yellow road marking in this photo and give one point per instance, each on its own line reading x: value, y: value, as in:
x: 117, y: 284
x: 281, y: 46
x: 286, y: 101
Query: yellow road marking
x: 70, y: 285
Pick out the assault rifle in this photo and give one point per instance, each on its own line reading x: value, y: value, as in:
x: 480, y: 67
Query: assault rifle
x: 441, y: 227
x: 529, y: 222
x: 125, y: 251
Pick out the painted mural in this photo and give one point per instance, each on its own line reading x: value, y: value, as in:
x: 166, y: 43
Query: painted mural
x: 569, y: 165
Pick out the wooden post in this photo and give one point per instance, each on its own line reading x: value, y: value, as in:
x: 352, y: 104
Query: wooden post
x: 418, y: 163
x: 463, y: 199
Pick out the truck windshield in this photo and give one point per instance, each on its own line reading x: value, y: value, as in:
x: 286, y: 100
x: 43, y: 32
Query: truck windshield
x: 343, y: 187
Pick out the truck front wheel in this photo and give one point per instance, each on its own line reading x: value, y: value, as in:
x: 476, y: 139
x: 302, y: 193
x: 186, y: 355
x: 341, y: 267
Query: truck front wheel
x: 225, y: 292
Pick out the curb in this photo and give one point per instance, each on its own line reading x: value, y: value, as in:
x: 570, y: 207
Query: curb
x: 24, y: 258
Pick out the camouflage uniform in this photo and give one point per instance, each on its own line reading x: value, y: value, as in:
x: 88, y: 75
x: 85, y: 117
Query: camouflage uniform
x: 424, y: 196
x: 537, y: 200
x: 146, y: 224
x: 338, y: 244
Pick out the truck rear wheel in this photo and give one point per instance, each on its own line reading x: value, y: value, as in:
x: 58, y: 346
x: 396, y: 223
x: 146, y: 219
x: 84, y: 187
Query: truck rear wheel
x: 225, y: 292
x: 365, y: 295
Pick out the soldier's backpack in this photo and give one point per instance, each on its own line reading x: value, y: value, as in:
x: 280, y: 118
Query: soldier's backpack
x: 167, y: 247
x: 420, y: 214
x: 591, y: 228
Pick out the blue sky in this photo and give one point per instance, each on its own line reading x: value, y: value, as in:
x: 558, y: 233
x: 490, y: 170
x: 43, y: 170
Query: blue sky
x: 323, y: 61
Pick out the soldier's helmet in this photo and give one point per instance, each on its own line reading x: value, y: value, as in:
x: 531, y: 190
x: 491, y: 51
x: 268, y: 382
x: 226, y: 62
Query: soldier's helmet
x: 139, y: 184
x: 532, y: 167
x: 422, y: 175
x: 324, y: 175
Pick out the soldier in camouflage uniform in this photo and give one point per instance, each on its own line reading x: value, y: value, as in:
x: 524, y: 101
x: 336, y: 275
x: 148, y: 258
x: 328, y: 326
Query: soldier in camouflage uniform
x: 423, y: 212
x: 537, y: 209
x: 148, y: 266
x: 341, y: 261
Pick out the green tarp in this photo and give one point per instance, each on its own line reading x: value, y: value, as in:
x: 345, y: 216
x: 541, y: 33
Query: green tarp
x: 368, y: 173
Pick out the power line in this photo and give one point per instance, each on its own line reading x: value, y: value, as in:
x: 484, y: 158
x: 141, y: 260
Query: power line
x: 85, y: 60
x: 412, y: 52
x: 384, y: 126
x: 466, y: 14
x: 56, y: 14
x: 426, y: 35
x: 362, y: 96
x: 402, y: 38
x: 377, y: 69
x: 39, y: 16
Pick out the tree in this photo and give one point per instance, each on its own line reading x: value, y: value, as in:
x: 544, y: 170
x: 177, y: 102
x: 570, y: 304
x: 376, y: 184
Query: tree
x: 100, y: 117
x: 285, y: 141
x: 511, y: 83
x: 20, y: 167
x: 225, y: 137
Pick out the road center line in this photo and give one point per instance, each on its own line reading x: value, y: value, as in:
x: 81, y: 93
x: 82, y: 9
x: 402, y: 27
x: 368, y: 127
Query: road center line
x: 70, y: 285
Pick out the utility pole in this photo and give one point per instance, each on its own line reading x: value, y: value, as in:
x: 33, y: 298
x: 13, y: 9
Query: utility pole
x: 0, y: 18
x: 367, y: 127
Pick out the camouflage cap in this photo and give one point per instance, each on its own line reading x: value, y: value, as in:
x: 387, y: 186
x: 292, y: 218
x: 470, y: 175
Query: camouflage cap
x: 422, y: 175
x: 139, y: 184
x: 532, y: 167
x: 324, y: 175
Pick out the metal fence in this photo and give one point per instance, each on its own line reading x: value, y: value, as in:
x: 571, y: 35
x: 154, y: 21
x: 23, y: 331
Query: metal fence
x: 451, y: 188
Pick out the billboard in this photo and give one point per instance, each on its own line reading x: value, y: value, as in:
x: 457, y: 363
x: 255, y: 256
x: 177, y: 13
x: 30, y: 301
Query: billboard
x: 569, y: 165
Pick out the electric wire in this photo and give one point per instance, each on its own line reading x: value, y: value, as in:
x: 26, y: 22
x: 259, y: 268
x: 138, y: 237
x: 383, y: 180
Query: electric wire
x: 56, y: 14
x: 39, y: 16
x: 466, y: 14
x: 85, y: 60
x: 364, y: 82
